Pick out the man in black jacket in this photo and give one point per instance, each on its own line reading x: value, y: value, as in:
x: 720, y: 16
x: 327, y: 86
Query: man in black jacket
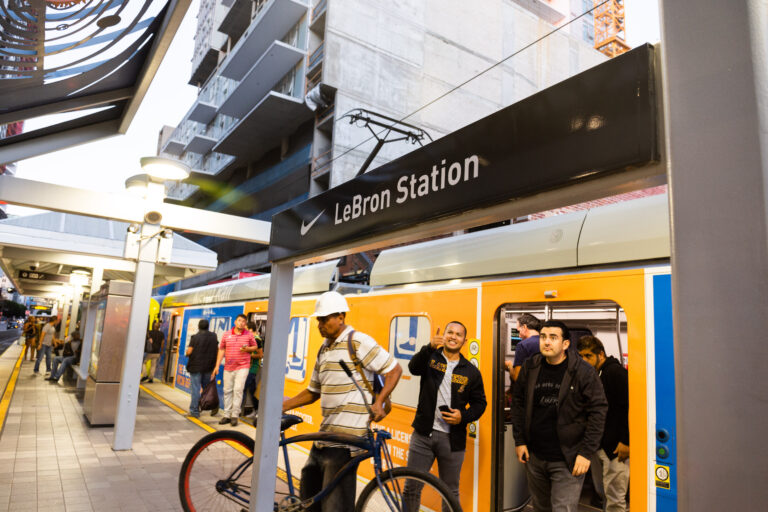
x: 558, y: 413
x: 202, y: 350
x: 451, y: 396
x: 614, y: 448
x: 156, y: 336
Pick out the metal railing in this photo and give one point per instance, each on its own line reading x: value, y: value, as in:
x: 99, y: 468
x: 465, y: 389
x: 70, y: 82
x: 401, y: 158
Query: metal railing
x: 321, y: 163
x: 319, y: 9
x: 316, y: 57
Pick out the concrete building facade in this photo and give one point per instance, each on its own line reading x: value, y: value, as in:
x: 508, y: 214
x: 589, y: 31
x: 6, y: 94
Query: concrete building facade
x: 276, y: 78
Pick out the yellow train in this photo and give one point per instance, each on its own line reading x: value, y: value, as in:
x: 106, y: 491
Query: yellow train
x: 605, y: 270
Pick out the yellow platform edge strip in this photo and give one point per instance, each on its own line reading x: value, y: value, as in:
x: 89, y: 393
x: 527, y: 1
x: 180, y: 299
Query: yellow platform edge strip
x: 5, y: 402
x: 282, y: 475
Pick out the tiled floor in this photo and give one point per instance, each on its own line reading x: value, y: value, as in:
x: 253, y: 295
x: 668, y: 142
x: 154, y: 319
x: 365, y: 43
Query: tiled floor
x: 50, y: 459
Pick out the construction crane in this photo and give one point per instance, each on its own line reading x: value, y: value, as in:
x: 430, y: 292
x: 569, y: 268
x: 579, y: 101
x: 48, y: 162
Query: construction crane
x: 609, y: 27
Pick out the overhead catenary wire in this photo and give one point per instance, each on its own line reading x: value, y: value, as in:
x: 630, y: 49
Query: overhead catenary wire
x: 465, y: 82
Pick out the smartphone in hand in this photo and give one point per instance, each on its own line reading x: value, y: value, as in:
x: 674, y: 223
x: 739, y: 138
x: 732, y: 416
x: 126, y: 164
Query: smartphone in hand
x: 444, y: 408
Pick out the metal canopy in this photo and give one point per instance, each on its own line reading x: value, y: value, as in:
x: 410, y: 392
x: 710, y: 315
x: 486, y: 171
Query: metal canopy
x: 97, y: 58
x: 56, y: 243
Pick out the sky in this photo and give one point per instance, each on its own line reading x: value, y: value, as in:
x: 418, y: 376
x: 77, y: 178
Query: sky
x: 104, y: 165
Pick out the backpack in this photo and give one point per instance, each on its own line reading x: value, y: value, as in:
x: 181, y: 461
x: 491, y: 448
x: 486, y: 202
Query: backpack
x: 378, y: 380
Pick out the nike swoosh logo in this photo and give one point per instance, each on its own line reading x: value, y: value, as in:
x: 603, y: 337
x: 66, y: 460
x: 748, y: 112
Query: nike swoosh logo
x: 307, y: 227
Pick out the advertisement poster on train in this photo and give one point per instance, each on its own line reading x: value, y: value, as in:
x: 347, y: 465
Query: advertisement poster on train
x: 407, y: 334
x: 298, y: 340
x: 221, y: 319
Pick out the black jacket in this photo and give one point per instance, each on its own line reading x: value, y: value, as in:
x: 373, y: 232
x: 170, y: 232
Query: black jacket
x: 616, y: 386
x: 205, y: 347
x: 580, y: 412
x: 466, y: 390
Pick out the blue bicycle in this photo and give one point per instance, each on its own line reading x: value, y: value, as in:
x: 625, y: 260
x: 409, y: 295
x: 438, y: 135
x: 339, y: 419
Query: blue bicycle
x: 216, y: 474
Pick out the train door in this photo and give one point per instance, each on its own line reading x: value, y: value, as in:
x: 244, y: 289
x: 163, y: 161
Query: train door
x: 604, y: 319
x: 172, y: 349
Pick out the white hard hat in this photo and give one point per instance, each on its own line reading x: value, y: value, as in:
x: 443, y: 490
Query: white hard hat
x: 330, y: 303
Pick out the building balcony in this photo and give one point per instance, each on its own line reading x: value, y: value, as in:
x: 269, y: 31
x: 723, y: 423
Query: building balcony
x: 174, y: 145
x: 203, y: 68
x: 274, y: 117
x: 317, y: 24
x: 276, y: 62
x: 271, y: 23
x: 237, y: 18
x: 202, y: 111
x: 200, y: 144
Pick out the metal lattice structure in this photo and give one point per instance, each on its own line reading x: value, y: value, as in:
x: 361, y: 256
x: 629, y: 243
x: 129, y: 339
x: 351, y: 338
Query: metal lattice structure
x: 609, y: 27
x: 93, y: 59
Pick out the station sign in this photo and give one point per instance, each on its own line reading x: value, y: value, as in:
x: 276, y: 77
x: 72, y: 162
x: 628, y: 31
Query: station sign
x: 42, y: 276
x: 598, y: 122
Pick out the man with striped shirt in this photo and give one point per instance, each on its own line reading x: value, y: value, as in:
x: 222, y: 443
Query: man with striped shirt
x: 340, y: 401
x: 235, y: 348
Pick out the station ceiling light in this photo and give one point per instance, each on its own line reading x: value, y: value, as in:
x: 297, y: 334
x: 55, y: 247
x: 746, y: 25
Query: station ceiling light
x: 162, y: 168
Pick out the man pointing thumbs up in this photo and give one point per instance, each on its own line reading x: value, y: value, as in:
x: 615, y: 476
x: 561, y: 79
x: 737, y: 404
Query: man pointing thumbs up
x: 451, y: 395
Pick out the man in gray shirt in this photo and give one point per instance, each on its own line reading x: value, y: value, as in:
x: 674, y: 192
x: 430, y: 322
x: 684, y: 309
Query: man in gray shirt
x: 45, y: 345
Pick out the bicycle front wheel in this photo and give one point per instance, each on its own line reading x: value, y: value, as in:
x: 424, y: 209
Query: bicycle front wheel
x: 407, y: 490
x: 216, y: 475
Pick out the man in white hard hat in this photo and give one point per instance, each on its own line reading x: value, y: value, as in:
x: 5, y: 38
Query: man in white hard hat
x: 340, y: 401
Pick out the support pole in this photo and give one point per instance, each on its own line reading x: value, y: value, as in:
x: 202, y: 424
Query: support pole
x: 76, y: 295
x: 128, y: 396
x: 272, y: 385
x: 90, y: 322
x: 64, y: 316
x: 716, y: 110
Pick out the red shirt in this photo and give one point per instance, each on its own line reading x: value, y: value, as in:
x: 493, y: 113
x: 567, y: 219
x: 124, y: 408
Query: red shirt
x: 231, y: 343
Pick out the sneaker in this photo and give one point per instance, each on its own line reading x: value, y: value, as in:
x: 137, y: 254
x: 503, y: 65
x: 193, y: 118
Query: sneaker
x: 224, y: 421
x: 233, y: 422
x: 192, y: 415
x: 215, y: 411
x: 252, y: 415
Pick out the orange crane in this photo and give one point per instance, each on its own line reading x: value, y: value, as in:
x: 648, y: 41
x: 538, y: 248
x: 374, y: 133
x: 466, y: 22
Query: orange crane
x: 609, y: 27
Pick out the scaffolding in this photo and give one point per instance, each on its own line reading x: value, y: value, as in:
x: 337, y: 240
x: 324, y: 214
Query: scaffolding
x: 609, y: 27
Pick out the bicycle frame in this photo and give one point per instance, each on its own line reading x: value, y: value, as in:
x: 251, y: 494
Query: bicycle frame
x: 372, y: 444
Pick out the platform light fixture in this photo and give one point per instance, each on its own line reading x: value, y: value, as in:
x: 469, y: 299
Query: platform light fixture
x: 164, y: 169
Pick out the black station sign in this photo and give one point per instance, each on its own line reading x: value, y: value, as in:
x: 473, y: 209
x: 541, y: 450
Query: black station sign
x: 42, y: 276
x: 598, y: 122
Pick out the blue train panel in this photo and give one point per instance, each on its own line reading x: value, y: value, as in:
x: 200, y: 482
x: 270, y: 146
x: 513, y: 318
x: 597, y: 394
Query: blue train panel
x: 221, y: 319
x: 665, y: 470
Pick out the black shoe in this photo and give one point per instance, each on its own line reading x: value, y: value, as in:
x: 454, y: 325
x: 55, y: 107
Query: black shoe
x: 150, y: 381
x: 144, y: 379
x: 233, y: 422
x: 215, y: 411
x: 224, y: 421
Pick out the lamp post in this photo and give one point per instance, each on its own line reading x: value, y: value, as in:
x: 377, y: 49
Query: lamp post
x: 147, y: 243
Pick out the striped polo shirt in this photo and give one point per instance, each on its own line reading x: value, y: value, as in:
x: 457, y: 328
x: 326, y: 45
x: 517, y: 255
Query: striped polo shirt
x: 342, y: 406
x: 231, y: 343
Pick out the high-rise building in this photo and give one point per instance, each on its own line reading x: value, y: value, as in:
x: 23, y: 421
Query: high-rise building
x: 280, y: 80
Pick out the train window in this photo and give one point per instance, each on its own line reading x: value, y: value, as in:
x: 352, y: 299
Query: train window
x: 298, y: 340
x: 407, y: 334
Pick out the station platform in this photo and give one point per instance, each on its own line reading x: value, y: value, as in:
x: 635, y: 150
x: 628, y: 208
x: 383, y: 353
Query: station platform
x: 51, y: 459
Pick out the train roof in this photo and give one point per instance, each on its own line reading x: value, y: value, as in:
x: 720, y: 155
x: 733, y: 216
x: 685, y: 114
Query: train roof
x: 633, y: 230
x: 308, y: 279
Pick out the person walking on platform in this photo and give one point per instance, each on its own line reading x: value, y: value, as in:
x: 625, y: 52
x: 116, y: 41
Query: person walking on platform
x: 31, y: 333
x: 155, y: 347
x: 253, y: 373
x: 614, y: 447
x: 70, y: 354
x: 528, y: 328
x: 45, y: 345
x: 340, y: 401
x: 451, y: 395
x: 558, y: 413
x: 235, y: 348
x: 201, y: 354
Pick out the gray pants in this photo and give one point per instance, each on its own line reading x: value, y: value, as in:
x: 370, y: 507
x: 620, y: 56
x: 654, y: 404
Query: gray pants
x: 553, y: 487
x: 422, y: 452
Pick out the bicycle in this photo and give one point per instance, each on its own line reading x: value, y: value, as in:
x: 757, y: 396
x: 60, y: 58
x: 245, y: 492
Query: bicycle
x: 216, y: 473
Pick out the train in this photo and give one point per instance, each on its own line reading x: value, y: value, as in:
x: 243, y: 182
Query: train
x: 603, y: 270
